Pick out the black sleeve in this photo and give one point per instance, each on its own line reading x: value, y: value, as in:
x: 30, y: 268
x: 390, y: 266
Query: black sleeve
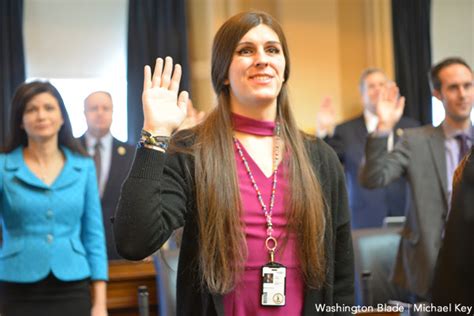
x: 153, y: 202
x: 343, y: 252
x: 340, y: 255
x: 336, y: 141
x: 380, y: 167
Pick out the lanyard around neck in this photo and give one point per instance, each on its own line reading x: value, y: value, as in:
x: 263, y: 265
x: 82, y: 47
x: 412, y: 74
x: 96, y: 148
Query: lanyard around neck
x: 270, y: 241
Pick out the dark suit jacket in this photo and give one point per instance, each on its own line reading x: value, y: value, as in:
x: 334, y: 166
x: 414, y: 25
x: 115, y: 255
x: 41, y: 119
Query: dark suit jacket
x: 420, y: 157
x: 368, y: 207
x: 454, y: 276
x: 122, y: 157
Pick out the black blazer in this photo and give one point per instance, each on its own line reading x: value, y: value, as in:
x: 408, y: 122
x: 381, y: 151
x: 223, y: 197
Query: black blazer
x: 368, y: 207
x: 122, y: 157
x: 454, y: 273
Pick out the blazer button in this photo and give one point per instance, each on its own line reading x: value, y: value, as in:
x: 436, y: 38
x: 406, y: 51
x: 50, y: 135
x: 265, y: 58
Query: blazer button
x: 49, y: 238
x: 49, y: 214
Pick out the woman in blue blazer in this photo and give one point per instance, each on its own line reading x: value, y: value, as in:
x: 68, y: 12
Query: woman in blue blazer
x: 53, y: 235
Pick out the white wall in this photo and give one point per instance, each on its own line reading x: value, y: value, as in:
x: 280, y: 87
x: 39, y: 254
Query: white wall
x: 452, y: 34
x: 75, y: 38
x: 452, y: 29
x: 80, y: 45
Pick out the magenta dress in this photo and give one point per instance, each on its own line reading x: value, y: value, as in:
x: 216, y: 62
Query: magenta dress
x: 245, y: 299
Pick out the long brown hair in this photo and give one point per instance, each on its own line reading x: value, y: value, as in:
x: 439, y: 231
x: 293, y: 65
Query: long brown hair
x: 222, y: 243
x: 460, y: 168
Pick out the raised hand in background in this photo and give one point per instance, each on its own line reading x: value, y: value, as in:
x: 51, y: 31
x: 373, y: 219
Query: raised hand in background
x: 326, y: 118
x: 389, y: 108
x: 193, y: 117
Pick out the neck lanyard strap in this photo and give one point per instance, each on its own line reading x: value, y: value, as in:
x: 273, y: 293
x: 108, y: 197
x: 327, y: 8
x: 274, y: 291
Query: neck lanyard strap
x: 270, y: 241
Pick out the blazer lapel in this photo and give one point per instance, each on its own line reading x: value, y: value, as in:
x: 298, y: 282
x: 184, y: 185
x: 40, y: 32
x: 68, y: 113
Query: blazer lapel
x: 111, y: 180
x: 358, y: 139
x: 71, y: 171
x: 16, y: 164
x: 116, y: 173
x: 361, y: 128
x: 438, y: 155
x: 397, y: 131
x: 69, y: 174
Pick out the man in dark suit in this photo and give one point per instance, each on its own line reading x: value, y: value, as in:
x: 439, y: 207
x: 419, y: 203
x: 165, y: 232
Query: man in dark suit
x: 454, y: 276
x: 369, y: 207
x: 112, y: 157
x: 427, y: 157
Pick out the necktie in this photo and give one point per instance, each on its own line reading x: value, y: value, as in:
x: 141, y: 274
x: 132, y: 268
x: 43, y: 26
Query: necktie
x: 463, y: 147
x: 97, y: 159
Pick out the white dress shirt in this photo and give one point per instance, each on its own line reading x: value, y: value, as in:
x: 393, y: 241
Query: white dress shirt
x: 371, y: 121
x: 105, y: 155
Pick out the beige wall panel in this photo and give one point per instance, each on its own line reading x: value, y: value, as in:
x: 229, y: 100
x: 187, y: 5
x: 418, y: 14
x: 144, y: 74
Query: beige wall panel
x: 353, y: 57
x: 365, y: 35
x: 452, y: 30
x: 311, y: 28
x: 331, y: 42
x: 201, y: 19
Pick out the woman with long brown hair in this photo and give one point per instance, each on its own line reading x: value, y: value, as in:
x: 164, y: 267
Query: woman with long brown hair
x: 264, y: 206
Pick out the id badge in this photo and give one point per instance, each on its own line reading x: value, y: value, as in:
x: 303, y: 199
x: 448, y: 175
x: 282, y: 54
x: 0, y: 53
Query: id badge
x: 273, y: 284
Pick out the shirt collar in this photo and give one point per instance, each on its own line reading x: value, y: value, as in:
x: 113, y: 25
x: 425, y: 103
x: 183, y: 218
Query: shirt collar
x: 91, y: 140
x: 371, y: 120
x: 451, y: 132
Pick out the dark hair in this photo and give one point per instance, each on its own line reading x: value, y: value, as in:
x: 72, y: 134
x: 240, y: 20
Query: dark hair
x: 434, y: 74
x: 222, y: 247
x: 367, y: 72
x: 23, y: 94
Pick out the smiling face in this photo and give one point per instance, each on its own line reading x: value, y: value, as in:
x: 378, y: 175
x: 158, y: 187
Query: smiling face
x: 456, y: 92
x: 256, y: 73
x: 42, y: 117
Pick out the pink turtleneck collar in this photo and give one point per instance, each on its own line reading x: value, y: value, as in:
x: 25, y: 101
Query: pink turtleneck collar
x: 251, y: 126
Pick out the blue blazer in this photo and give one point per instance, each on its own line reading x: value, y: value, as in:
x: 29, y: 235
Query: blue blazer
x: 55, y: 228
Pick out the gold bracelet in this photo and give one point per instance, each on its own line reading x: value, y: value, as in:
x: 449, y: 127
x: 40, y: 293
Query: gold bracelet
x: 153, y: 147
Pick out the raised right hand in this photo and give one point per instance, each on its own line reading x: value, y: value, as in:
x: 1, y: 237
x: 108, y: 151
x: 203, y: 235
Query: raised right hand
x: 389, y: 108
x: 326, y: 118
x: 163, y: 109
